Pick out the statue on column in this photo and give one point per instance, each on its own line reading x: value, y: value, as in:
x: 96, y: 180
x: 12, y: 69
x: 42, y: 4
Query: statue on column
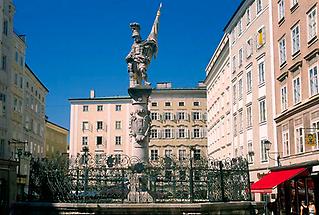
x: 141, y: 53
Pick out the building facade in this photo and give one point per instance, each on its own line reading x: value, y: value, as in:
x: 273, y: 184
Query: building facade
x: 252, y: 84
x: 102, y: 124
x: 178, y: 122
x: 218, y: 81
x: 56, y: 139
x: 296, y: 57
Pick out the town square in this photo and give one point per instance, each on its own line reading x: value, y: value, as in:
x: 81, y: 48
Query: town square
x: 159, y: 107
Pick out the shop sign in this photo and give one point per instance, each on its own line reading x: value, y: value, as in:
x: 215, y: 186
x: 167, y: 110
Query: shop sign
x: 311, y: 139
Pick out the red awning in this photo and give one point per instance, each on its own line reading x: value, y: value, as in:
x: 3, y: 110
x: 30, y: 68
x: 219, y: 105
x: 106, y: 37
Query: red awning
x: 273, y: 179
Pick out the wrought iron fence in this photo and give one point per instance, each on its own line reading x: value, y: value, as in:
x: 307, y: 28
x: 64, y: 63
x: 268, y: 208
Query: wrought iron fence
x: 114, y: 179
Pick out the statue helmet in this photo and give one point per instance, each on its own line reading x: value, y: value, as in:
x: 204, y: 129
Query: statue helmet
x: 135, y: 29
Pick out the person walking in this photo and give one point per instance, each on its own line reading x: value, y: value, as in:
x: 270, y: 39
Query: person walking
x: 312, y: 208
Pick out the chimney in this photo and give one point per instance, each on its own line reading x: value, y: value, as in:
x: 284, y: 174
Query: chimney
x: 92, y: 94
x: 201, y: 84
x: 164, y: 85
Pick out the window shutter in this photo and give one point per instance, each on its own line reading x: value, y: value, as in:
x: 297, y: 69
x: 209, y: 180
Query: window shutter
x: 192, y: 134
x: 159, y: 133
x: 204, y: 116
x: 264, y: 35
x: 161, y: 116
x: 173, y: 116
x: 172, y: 133
x: 187, y: 116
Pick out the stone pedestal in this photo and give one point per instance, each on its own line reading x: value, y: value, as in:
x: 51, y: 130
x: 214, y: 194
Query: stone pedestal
x: 140, y: 122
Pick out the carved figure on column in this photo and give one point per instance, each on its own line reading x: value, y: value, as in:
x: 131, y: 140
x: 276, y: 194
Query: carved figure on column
x: 140, y: 123
x: 141, y: 54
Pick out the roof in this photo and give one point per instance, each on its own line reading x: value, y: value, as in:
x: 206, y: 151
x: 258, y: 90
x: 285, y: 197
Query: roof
x: 198, y: 89
x: 234, y: 14
x: 36, y: 77
x: 56, y: 125
x: 101, y: 98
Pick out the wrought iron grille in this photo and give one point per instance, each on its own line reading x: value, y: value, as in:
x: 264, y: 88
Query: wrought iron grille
x: 114, y: 179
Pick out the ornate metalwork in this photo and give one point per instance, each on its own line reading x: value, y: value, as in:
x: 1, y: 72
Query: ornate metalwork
x: 115, y: 178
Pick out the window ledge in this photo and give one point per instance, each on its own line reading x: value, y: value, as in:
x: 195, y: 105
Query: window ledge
x: 263, y: 123
x: 283, y: 65
x: 262, y: 84
x: 296, y: 54
x: 312, y: 41
x: 294, y: 8
x: 281, y: 21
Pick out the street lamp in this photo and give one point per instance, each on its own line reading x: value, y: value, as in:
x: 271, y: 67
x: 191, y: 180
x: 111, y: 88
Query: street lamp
x: 267, y: 145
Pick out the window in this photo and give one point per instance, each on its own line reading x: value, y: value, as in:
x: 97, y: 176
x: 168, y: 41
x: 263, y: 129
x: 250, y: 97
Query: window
x: 99, y: 140
x: 248, y: 17
x: 281, y: 10
x: 259, y: 6
x: 181, y: 133
x: 154, y: 104
x: 295, y: 39
x: 17, y: 57
x: 312, y: 24
x: 2, y: 141
x: 167, y: 115
x: 167, y: 133
x: 249, y: 50
x: 85, y: 125
x: 118, y: 140
x: 118, y: 107
x: 313, y: 76
x: 5, y: 27
x: 234, y: 94
x: 297, y: 90
x: 154, y: 154
x: 197, y: 154
x: 196, y: 115
x: 262, y: 111
x: 233, y: 36
x: 196, y: 133
x: 249, y: 116
x: 240, y: 56
x: 261, y: 72
x: 167, y: 104
x: 293, y: 3
x: 240, y: 27
x: 21, y: 61
x: 240, y: 89
x: 234, y: 63
x: 181, y: 104
x: 261, y: 37
x: 99, y: 125
x: 315, y: 125
x: 196, y: 104
x: 154, y: 133
x: 181, y: 116
x: 285, y: 143
x: 264, y: 153
x: 250, y: 152
x: 168, y: 153
x: 84, y: 141
x: 182, y: 154
x: 118, y: 124
x: 282, y: 51
x: 300, y: 144
x: 100, y: 108
x: 85, y: 108
x: 4, y: 63
x: 154, y: 115
x: 284, y: 99
x: 240, y: 121
x: 118, y: 158
x: 249, y: 81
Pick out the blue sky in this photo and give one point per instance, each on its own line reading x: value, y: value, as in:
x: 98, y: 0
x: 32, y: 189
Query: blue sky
x: 77, y: 45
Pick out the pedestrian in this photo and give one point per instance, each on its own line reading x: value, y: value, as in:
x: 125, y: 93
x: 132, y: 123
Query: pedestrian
x: 303, y: 208
x: 312, y: 208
